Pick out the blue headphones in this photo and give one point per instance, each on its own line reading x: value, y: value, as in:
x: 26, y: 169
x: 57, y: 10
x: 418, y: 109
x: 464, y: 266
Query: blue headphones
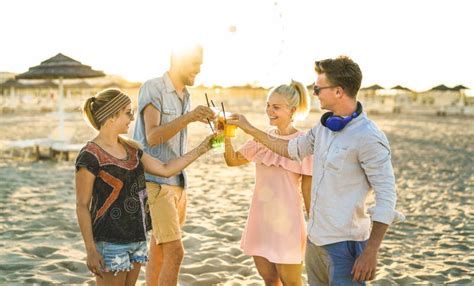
x: 336, y: 123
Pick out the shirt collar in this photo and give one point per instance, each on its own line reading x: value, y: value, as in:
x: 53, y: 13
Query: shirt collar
x: 168, y: 83
x: 361, y: 118
x: 170, y: 87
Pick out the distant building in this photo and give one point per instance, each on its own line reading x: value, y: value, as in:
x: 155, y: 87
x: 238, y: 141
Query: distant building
x: 82, y: 89
x: 375, y: 99
x: 442, y: 99
x: 370, y: 92
x: 403, y: 98
x: 468, y: 109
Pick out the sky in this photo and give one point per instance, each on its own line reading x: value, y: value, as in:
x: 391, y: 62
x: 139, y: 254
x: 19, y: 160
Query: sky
x: 414, y: 43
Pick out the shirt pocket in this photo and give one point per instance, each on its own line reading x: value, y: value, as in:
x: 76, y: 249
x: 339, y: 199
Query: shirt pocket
x: 168, y: 114
x: 335, y: 159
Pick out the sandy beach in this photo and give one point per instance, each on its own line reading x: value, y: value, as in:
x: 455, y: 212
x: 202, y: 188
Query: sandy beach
x: 433, y: 159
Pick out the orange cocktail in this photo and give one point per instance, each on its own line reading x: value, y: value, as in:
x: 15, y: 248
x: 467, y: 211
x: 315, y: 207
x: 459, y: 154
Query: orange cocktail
x: 222, y: 126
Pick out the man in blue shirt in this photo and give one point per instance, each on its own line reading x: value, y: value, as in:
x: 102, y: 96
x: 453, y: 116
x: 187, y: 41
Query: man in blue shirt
x: 161, y: 127
x: 351, y: 157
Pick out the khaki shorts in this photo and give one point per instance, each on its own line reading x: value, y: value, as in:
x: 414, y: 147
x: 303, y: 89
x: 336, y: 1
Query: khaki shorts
x: 168, y: 211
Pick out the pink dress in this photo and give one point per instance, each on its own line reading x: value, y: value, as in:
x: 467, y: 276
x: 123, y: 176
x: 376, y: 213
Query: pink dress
x: 276, y: 227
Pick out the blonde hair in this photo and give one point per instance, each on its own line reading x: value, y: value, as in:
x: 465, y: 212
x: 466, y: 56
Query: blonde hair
x: 297, y: 96
x: 93, y: 104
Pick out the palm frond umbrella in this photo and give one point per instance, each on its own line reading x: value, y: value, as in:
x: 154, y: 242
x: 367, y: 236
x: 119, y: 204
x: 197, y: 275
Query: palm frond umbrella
x: 79, y: 85
x: 399, y: 87
x: 460, y: 87
x: 45, y: 84
x: 11, y: 84
x: 441, y: 87
x: 372, y: 87
x: 60, y: 67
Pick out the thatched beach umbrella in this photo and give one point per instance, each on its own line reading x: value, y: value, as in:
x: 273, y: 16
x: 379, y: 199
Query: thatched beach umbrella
x: 60, y: 67
x: 79, y: 85
x: 399, y: 87
x: 45, y: 84
x: 82, y: 88
x: 11, y: 84
x: 372, y: 87
x: 441, y: 87
x: 460, y: 87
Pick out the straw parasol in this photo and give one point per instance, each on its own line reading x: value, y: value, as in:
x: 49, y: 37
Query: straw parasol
x: 460, y: 87
x: 11, y: 84
x: 81, y: 84
x: 399, y: 87
x: 441, y: 87
x: 45, y: 84
x: 60, y: 67
x: 372, y: 87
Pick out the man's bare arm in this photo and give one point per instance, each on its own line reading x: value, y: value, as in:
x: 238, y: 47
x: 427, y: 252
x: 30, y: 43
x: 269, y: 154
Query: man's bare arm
x: 158, y: 134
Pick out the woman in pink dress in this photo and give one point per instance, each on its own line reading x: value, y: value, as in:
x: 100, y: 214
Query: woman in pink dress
x: 275, y: 233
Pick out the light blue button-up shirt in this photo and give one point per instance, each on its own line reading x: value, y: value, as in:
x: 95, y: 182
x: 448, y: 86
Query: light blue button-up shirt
x: 161, y: 93
x: 347, y: 165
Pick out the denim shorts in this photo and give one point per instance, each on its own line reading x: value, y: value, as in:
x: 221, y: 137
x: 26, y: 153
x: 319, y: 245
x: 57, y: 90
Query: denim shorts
x: 121, y: 256
x: 332, y: 264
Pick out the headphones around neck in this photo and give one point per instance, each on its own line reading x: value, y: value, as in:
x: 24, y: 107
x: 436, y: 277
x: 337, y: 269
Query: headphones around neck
x: 336, y: 123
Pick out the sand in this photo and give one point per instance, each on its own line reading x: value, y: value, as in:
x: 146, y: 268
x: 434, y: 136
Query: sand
x: 40, y: 241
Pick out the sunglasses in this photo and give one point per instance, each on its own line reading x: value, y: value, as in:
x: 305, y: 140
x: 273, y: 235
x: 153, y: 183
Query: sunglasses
x: 317, y: 89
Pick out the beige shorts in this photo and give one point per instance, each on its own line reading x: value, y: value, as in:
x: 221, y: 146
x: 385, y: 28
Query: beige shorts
x: 168, y: 211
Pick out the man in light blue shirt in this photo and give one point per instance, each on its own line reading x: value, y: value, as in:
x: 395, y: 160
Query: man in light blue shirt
x: 161, y: 127
x: 351, y: 158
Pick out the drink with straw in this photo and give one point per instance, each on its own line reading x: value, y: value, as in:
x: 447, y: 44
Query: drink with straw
x: 222, y: 126
x: 218, y: 144
x: 229, y: 130
x: 222, y: 129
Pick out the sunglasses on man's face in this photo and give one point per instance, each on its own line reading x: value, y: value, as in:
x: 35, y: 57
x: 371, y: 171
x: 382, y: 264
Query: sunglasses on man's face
x: 317, y: 89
